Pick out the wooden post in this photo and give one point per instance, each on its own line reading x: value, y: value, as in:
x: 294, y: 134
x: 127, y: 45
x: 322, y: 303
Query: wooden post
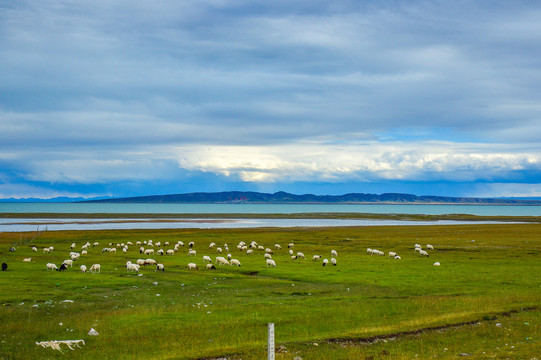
x: 270, y: 343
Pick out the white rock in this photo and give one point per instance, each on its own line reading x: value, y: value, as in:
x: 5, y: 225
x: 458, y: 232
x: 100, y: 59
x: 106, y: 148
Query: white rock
x: 93, y: 332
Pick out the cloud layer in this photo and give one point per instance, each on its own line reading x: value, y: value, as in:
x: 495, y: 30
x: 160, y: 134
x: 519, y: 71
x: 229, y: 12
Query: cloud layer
x: 260, y: 93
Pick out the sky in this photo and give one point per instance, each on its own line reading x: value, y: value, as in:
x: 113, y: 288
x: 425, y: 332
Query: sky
x: 115, y: 98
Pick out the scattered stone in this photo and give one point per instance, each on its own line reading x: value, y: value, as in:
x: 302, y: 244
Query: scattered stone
x: 464, y: 354
x: 93, y: 332
x: 498, y: 324
x: 316, y: 344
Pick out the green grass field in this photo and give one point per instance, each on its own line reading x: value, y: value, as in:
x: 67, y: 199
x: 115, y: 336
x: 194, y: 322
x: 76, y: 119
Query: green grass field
x: 367, y: 307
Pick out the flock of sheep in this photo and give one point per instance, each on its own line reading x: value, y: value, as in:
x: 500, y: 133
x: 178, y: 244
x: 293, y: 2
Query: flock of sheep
x: 148, y: 248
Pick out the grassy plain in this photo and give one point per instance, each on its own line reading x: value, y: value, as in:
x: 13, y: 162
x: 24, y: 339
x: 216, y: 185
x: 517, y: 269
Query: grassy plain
x: 367, y: 307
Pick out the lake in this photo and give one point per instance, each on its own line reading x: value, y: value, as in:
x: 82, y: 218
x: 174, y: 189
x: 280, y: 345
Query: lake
x: 157, y: 208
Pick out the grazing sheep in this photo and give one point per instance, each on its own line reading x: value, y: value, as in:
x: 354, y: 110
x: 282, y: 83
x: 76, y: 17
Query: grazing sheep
x: 293, y: 257
x: 269, y: 251
x: 160, y: 267
x: 83, y: 269
x: 235, y: 262
x: 300, y: 255
x: 112, y: 250
x: 369, y: 251
x: 46, y: 250
x: 12, y: 249
x: 180, y: 243
x: 191, y: 244
x: 219, y: 250
x: 149, y: 252
x: 229, y: 256
x: 429, y: 247
x: 423, y: 253
x: 270, y: 262
x: 207, y: 258
x: 141, y: 250
x: 5, y: 266
x: 290, y: 245
x: 27, y: 260
x: 392, y: 254
x: 159, y: 244
x: 150, y: 262
x: 95, y: 267
x: 84, y: 252
x: 437, y: 263
x: 211, y: 267
x: 397, y: 257
x: 316, y: 257
x: 277, y: 246
x: 95, y: 244
x: 334, y: 253
x: 192, y: 252
x: 34, y: 249
x: 192, y: 266
x: 249, y: 252
x: 211, y: 245
x: 160, y: 252
x: 50, y: 266
x: 72, y: 246
x: 68, y: 262
x: 132, y: 267
x: 333, y: 261
x: 260, y: 247
x: 325, y: 262
x: 170, y: 252
x: 62, y: 267
x: 221, y: 260
x: 290, y: 252
x: 268, y: 256
x: 51, y: 248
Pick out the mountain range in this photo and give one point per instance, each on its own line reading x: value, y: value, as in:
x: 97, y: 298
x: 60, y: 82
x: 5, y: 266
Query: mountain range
x: 242, y: 197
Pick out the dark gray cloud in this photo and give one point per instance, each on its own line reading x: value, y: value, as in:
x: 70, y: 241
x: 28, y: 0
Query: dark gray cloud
x: 117, y: 78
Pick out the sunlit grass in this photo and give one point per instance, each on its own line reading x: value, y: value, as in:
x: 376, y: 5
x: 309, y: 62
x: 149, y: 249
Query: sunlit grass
x: 183, y: 314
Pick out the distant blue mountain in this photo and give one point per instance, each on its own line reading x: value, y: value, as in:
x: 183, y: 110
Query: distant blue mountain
x: 240, y: 197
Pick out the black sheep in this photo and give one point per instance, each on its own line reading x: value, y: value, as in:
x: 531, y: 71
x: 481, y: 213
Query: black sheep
x: 4, y: 266
x: 63, y: 267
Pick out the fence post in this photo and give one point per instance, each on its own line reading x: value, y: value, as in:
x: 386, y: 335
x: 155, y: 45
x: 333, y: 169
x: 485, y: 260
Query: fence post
x: 270, y: 343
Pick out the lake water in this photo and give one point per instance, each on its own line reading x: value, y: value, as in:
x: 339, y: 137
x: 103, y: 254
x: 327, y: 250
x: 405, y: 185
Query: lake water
x: 110, y: 208
x: 32, y: 224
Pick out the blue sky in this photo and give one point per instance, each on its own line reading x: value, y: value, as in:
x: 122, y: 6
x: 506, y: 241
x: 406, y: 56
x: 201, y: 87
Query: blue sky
x: 126, y: 98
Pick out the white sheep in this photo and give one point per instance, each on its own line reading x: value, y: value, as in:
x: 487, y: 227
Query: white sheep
x: 316, y: 257
x: 96, y: 244
x: 267, y: 256
x: 180, y: 243
x: 192, y: 252
x: 140, y: 262
x: 160, y: 267
x: 290, y: 245
x: 191, y: 244
x: 392, y: 254
x: 334, y: 253
x: 300, y: 255
x: 277, y: 246
x: 290, y: 252
x: 27, y: 260
x: 429, y: 247
x: 437, y: 263
x: 269, y: 251
x: 221, y: 260
x: 68, y: 262
x: 84, y: 252
x: 249, y: 252
x: 192, y: 266
x: 95, y: 267
x: 369, y: 251
x: 83, y: 269
x: 207, y: 258
x: 333, y: 261
x: 160, y: 252
x: 211, y: 245
x: 397, y: 257
x: 46, y: 250
x: 73, y: 246
x: 149, y: 252
x: 150, y: 262
x: 51, y: 266
x: 219, y: 250
x: 325, y: 262
x: 270, y: 262
x: 211, y: 267
x: 235, y: 262
x: 229, y: 256
x: 132, y: 267
x: 34, y: 249
x: 423, y: 253
x: 112, y: 250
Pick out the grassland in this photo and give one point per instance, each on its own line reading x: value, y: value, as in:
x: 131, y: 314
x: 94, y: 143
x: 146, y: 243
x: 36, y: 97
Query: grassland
x: 366, y: 307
